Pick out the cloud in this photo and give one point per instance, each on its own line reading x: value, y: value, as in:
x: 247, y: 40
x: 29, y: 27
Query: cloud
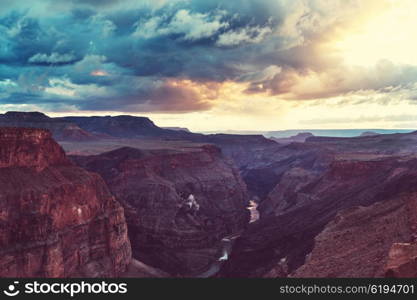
x: 243, y: 35
x: 176, y: 55
x: 141, y: 95
x: 190, y: 26
x: 309, y: 84
x: 53, y: 58
x: 264, y: 75
x: 107, y: 27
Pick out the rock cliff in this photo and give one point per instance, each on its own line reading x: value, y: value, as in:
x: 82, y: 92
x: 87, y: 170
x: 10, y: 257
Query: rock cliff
x: 60, y: 128
x: 179, y: 203
x: 339, y: 222
x: 56, y: 219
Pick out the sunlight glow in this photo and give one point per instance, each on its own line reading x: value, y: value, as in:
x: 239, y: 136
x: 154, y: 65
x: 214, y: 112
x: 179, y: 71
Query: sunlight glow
x: 389, y: 36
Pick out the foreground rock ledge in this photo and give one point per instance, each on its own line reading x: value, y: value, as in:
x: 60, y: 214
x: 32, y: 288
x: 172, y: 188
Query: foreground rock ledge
x: 56, y: 219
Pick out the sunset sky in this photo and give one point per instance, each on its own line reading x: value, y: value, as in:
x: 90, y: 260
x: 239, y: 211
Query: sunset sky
x: 214, y: 64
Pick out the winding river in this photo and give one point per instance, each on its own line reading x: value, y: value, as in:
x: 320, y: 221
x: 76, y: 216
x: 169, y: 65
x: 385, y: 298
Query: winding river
x: 227, y: 245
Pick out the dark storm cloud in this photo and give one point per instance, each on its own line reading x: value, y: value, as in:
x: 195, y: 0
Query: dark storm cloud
x: 97, y: 2
x: 136, y: 55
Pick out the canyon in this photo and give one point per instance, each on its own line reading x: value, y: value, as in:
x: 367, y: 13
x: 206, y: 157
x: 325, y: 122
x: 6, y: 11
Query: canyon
x: 335, y: 212
x: 57, y: 219
x: 179, y: 204
x: 144, y: 201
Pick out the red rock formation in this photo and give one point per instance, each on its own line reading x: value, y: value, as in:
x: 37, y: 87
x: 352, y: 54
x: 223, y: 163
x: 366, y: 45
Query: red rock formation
x: 29, y: 148
x: 402, y: 257
x: 179, y: 203
x: 356, y: 243
x: 374, y: 241
x: 402, y: 261
x: 340, y: 222
x: 56, y: 219
x: 61, y: 129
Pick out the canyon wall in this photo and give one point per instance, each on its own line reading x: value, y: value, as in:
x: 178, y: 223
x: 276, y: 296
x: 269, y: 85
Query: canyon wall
x: 179, y: 204
x: 56, y: 219
x: 338, y: 222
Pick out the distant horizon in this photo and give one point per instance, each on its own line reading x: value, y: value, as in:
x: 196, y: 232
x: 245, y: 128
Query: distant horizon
x: 284, y: 132
x: 314, y: 129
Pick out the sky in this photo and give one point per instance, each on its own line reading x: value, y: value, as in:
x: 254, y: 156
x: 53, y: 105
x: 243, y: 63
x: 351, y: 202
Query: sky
x: 214, y: 64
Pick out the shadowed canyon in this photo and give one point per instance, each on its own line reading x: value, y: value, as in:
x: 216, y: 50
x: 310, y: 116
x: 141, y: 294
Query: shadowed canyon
x: 122, y: 197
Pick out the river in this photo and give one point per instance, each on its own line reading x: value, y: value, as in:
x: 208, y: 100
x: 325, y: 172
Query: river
x: 227, y: 245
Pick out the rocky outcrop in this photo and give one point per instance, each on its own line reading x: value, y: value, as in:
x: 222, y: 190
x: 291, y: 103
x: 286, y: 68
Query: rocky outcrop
x: 374, y: 241
x: 56, y: 219
x: 29, y: 148
x: 402, y: 256
x: 241, y: 148
x: 357, y: 241
x: 402, y: 261
x: 179, y: 204
x: 61, y: 129
x: 338, y: 222
x: 126, y: 127
x: 298, y: 138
